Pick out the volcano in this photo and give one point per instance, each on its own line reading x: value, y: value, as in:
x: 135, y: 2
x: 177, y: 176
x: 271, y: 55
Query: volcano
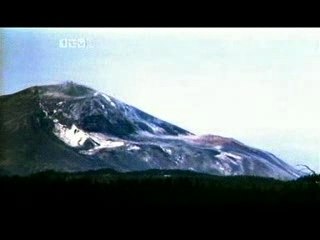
x: 70, y: 127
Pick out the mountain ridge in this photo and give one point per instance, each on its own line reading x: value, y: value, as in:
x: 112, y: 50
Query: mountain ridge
x: 84, y: 129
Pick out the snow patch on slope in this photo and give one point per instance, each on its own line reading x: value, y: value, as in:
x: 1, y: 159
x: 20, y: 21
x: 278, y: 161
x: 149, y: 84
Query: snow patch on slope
x: 228, y: 156
x: 133, y: 147
x: 218, y: 147
x: 104, y: 141
x: 76, y: 137
x: 155, y: 128
x: 167, y: 150
x: 73, y: 136
x: 109, y: 100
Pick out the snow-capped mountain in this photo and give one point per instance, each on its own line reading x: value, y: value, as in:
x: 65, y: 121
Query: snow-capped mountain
x: 70, y: 127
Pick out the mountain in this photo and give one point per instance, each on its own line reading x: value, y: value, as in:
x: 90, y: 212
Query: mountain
x: 70, y: 127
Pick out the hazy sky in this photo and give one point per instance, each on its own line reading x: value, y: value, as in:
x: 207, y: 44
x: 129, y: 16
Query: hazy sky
x: 257, y: 85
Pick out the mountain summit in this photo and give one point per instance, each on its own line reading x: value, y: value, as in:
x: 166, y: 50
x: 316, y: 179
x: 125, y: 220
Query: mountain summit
x: 70, y: 127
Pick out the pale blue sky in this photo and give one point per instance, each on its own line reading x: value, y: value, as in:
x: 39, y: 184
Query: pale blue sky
x: 257, y: 85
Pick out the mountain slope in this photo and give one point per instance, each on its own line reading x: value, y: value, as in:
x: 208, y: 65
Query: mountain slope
x: 69, y: 127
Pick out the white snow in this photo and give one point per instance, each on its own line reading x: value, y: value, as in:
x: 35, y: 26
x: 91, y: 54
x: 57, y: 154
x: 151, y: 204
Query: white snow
x: 179, y: 159
x: 55, y: 120
x: 221, y: 156
x: 59, y: 103
x: 107, y: 144
x: 227, y: 156
x: 224, y: 168
x: 147, y: 159
x: 218, y: 147
x: 145, y: 133
x: 133, y: 147
x: 109, y: 100
x: 233, y: 155
x: 155, y: 128
x: 45, y: 112
x: 107, y: 97
x: 104, y: 141
x: 167, y: 150
x: 76, y: 137
x: 72, y: 136
x: 54, y: 111
x: 89, y: 152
